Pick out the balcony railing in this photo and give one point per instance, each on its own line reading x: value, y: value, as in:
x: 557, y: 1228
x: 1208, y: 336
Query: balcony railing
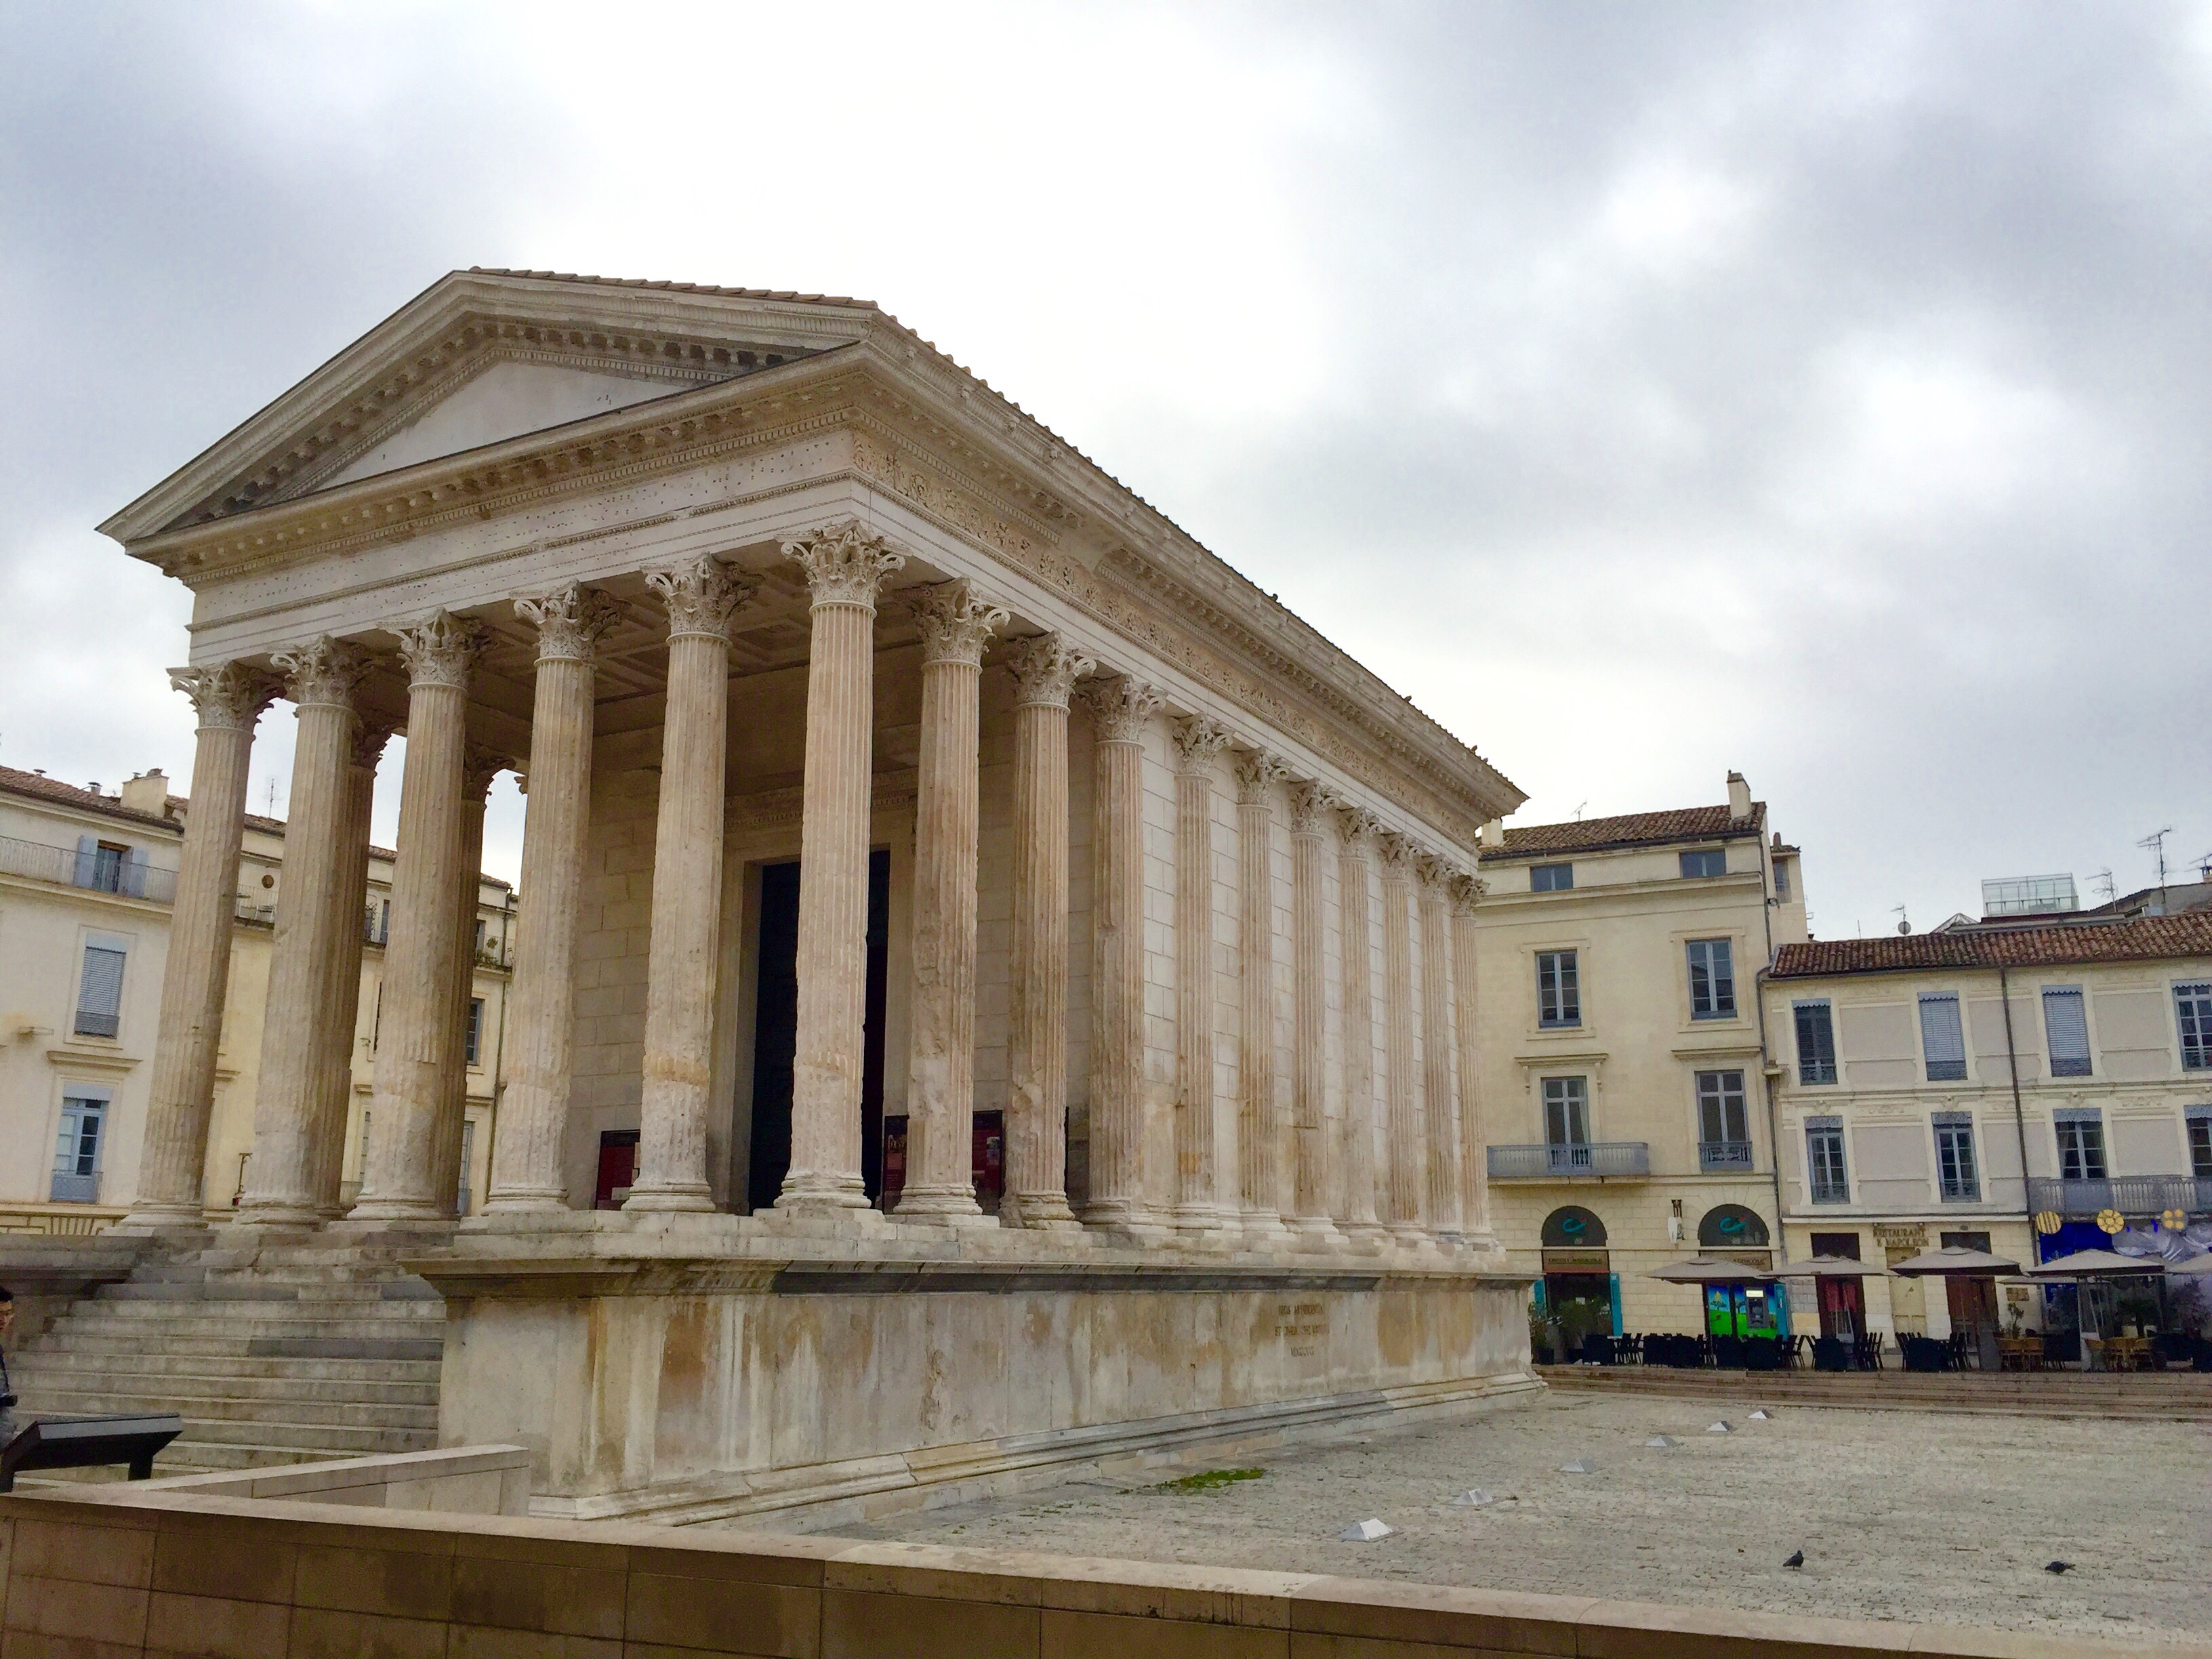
x: 90, y: 1023
x: 92, y: 870
x: 71, y: 1188
x: 1587, y: 1160
x: 1724, y: 1155
x: 2138, y: 1196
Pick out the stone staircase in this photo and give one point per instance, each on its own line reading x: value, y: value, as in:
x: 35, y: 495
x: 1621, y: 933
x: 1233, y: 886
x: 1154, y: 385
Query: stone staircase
x: 272, y: 1351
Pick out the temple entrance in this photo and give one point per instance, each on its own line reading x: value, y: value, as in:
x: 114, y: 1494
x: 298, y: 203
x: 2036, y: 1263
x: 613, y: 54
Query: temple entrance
x: 776, y: 1029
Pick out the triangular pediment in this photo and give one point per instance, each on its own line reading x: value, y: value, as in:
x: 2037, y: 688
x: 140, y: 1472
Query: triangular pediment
x: 485, y: 357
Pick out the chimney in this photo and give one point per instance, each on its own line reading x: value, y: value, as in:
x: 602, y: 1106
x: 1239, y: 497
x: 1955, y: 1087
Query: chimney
x: 1738, y: 798
x: 147, y: 793
x: 1492, y: 834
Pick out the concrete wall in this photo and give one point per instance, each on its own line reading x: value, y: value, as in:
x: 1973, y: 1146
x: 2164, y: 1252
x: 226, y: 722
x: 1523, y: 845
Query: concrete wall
x: 118, y: 1573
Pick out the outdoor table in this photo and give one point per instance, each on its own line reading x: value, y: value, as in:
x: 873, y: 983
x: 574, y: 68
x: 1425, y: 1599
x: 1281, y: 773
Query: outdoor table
x: 2126, y: 1353
x: 2022, y: 1353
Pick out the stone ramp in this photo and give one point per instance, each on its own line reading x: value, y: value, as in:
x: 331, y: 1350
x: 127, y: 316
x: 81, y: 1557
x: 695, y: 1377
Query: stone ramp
x: 272, y: 1351
x: 2167, y: 1396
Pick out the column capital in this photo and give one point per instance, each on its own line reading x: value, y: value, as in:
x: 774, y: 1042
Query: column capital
x: 229, y: 696
x: 1398, y: 851
x: 1045, y: 668
x: 480, y: 765
x: 954, y: 623
x: 1467, y: 890
x: 1120, y: 707
x: 844, y: 564
x: 1257, y: 772
x: 369, y: 740
x: 569, y: 621
x: 324, y: 671
x: 1358, y: 826
x: 1312, y: 804
x: 442, y: 650
x: 701, y: 597
x: 1199, y: 740
x: 1435, y: 872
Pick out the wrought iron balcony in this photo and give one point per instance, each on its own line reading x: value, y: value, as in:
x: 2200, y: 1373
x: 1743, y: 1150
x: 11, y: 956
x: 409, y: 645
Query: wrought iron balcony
x: 1724, y: 1155
x: 69, y: 1187
x: 2135, y: 1196
x: 1587, y: 1160
x: 100, y: 870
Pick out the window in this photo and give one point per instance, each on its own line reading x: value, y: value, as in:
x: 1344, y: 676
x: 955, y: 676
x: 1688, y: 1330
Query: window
x: 1840, y: 1246
x: 475, y: 1029
x: 76, y: 1149
x: 1782, y: 879
x: 2081, y: 1144
x: 468, y: 1157
x: 2192, y: 1007
x: 1824, y: 1161
x: 1712, y: 979
x: 1551, y: 878
x: 1816, y: 1042
x: 2066, y: 1030
x: 1957, y: 1180
x: 1723, y: 1122
x: 1940, y: 1039
x: 1705, y: 861
x: 2200, y: 1142
x: 1732, y: 1227
x: 1559, y: 989
x: 100, y: 991
x: 1566, y: 1121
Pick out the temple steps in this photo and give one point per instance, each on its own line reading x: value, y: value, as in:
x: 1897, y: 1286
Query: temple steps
x: 2173, y: 1397
x: 272, y: 1351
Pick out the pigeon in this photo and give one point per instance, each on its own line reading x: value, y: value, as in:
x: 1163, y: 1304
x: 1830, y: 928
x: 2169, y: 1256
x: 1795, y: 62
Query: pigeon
x: 1369, y: 1531
x: 1796, y: 1558
x: 2059, y: 1566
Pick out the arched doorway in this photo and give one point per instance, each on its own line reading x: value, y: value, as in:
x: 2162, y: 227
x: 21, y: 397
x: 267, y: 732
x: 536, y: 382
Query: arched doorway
x: 1732, y: 1227
x: 1739, y: 1234
x: 1580, y: 1289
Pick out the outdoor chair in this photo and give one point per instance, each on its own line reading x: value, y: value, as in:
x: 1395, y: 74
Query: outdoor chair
x: 1866, y: 1352
x: 1596, y: 1350
x: 1762, y: 1353
x: 1830, y: 1355
x: 1727, y: 1353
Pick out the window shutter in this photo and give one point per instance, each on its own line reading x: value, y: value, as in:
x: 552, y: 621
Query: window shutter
x: 88, y: 860
x: 134, y: 873
x: 101, y: 990
x: 1942, y: 1038
x: 2066, y: 1024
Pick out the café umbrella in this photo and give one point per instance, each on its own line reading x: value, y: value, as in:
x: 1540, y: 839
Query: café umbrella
x: 1731, y: 1289
x: 2094, y: 1264
x: 1709, y: 1270
x: 1971, y: 1276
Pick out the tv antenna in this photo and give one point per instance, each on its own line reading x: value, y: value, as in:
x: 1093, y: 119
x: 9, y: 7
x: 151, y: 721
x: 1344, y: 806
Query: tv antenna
x: 2155, y: 844
x: 271, y: 812
x: 1578, y: 811
x: 2102, y: 882
x: 1904, y: 922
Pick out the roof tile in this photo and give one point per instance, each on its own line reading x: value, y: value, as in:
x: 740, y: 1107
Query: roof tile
x: 2143, y: 938
x: 1629, y: 829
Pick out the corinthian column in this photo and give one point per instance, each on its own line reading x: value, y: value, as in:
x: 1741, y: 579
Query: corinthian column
x: 1355, y: 1220
x: 1259, y: 1117
x: 1474, y: 1175
x: 320, y: 679
x: 941, y: 1097
x: 1045, y: 670
x: 1119, y: 709
x: 526, y: 1153
x: 415, y: 1050
x: 1197, y: 1204
x: 480, y: 766
x: 352, y: 901
x: 1404, y: 1121
x: 1311, y: 804
x: 1439, y: 1097
x: 845, y: 567
x: 229, y: 698
x: 681, y: 957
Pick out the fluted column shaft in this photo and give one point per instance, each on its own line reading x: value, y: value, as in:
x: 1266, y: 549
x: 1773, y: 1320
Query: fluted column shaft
x: 1310, y: 1218
x: 171, y: 1164
x: 1259, y: 1114
x: 1474, y: 1174
x: 1439, y: 1093
x: 479, y: 770
x: 528, y: 1173
x: 415, y: 1047
x: 1404, y: 1120
x: 1117, y: 1195
x: 1356, y: 1218
x: 845, y: 567
x: 1045, y: 670
x: 338, y: 1037
x: 941, y: 1092
x: 1198, y: 1197
x: 295, y: 1072
x: 682, y: 954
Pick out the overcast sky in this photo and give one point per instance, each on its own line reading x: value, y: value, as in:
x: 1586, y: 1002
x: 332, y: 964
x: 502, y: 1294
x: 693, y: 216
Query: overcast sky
x: 1819, y: 392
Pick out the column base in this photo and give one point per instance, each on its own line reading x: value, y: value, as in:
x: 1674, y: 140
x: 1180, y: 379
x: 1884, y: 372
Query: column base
x: 526, y: 1200
x: 399, y: 1209
x: 814, y: 1191
x: 690, y: 1198
x: 941, y: 1206
x: 163, y: 1219
x: 1198, y: 1219
x: 1261, y: 1230
x: 1038, y: 1212
x: 270, y: 1212
x: 1314, y: 1232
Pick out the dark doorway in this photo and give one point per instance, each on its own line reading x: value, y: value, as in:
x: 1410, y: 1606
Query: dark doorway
x: 776, y: 1029
x: 618, y: 1167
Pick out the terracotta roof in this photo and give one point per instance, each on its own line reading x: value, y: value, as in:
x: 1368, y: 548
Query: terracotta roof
x: 2143, y: 938
x: 1630, y: 830
x: 40, y: 788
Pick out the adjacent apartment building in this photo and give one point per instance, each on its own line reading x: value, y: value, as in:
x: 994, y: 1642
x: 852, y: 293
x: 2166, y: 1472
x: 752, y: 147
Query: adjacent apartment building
x: 2002, y: 1084
x: 86, y: 879
x: 1622, y: 1092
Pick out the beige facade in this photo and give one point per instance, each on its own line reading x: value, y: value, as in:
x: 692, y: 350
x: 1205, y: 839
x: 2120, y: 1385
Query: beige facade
x: 1917, y: 1077
x: 86, y: 869
x: 1622, y: 1094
